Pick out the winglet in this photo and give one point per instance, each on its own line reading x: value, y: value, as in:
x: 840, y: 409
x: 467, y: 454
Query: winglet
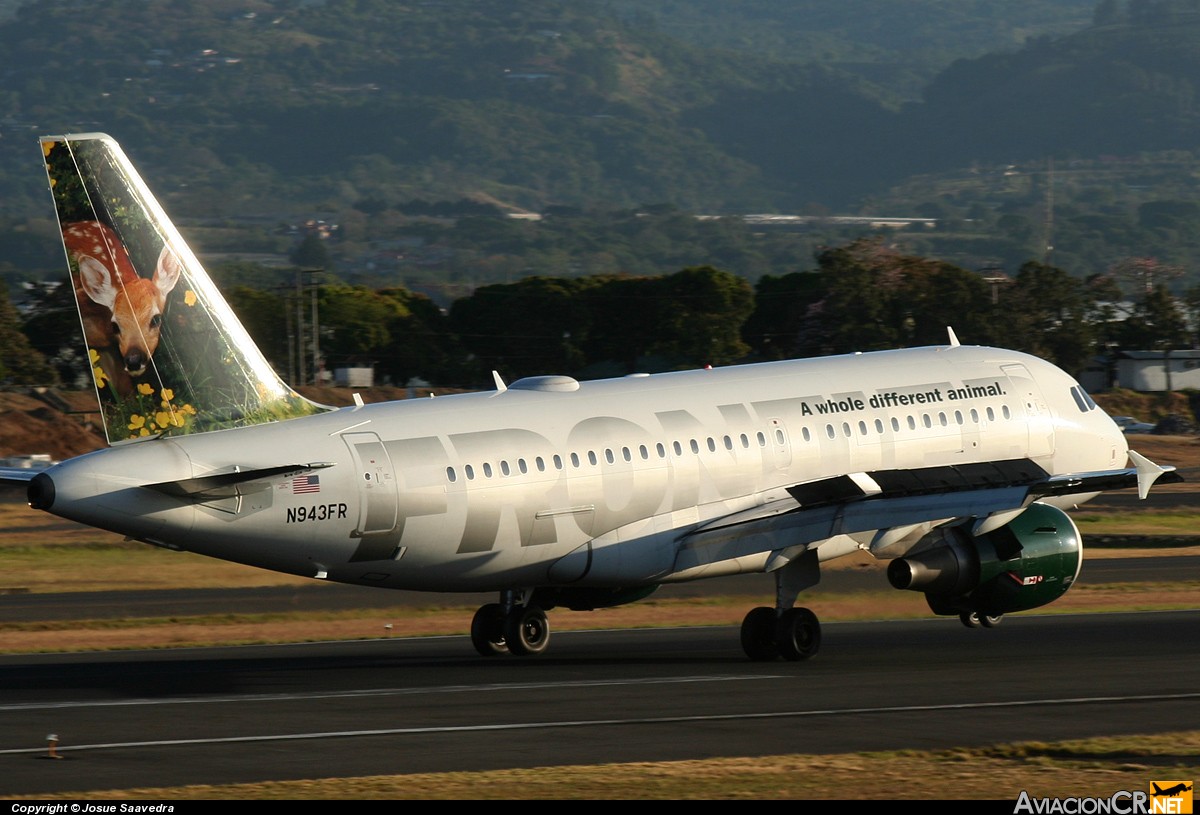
x: 1147, y: 473
x: 953, y: 337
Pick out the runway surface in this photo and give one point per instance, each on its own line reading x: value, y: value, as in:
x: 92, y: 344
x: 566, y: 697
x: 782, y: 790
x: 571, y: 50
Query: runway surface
x: 318, y: 596
x: 222, y: 715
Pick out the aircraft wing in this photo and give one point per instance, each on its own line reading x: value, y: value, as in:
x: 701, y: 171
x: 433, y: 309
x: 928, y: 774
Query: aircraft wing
x: 888, y: 500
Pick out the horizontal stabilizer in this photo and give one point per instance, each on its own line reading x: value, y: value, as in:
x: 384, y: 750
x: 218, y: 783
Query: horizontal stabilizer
x: 229, y: 484
x: 17, y: 475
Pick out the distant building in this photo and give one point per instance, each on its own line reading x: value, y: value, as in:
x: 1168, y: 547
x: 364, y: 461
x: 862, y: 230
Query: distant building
x: 1159, y: 370
x: 356, y: 376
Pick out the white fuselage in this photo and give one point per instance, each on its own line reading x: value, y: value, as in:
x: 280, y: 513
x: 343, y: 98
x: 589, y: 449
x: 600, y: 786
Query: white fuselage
x: 553, y: 482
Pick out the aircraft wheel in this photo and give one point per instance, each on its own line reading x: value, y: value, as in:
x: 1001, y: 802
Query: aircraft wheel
x: 969, y: 618
x: 527, y: 631
x: 487, y: 630
x: 989, y: 621
x: 798, y: 634
x: 758, y: 634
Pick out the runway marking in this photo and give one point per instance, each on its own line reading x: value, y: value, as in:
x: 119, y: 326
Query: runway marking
x: 716, y: 717
x: 351, y: 694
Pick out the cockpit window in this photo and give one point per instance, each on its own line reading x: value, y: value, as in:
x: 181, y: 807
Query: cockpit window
x: 1082, y: 399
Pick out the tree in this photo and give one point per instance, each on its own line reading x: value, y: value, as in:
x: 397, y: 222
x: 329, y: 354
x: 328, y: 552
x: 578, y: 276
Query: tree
x: 1156, y: 323
x: 1046, y: 313
x: 20, y: 363
x: 781, y: 309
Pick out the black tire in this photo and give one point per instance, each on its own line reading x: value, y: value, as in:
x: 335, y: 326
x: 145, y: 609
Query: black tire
x: 990, y: 620
x: 487, y: 630
x: 527, y: 631
x: 758, y: 634
x: 969, y: 618
x: 798, y: 634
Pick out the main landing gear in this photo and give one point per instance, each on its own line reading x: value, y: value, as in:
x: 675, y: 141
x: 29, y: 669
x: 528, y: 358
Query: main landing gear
x: 785, y: 632
x: 793, y: 634
x: 510, y: 627
x: 973, y: 619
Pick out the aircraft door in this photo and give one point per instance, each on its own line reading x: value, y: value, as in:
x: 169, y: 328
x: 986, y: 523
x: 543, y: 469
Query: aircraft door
x: 1037, y: 416
x: 376, y: 484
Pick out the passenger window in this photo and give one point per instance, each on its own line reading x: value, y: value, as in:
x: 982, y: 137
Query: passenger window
x: 678, y: 449
x: 1004, y: 409
x: 745, y: 442
x: 695, y: 446
x: 575, y: 460
x: 608, y: 455
x: 643, y: 452
x: 521, y: 466
x: 895, y: 425
x: 487, y: 469
x: 762, y: 440
x: 879, y: 426
x: 504, y: 467
x: 592, y: 457
x: 450, y: 475
x: 806, y: 434
x: 470, y: 471
x: 541, y: 465
x: 662, y: 451
x: 557, y: 461
x: 862, y: 428
x: 829, y: 431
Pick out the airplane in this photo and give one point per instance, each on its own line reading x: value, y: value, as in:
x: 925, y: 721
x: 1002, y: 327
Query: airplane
x: 953, y: 463
x: 1171, y: 791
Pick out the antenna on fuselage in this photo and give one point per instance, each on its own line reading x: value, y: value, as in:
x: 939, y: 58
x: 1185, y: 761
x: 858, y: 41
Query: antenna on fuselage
x: 500, y: 386
x: 953, y: 337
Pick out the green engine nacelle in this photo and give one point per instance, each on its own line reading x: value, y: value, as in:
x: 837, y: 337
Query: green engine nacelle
x: 1025, y: 564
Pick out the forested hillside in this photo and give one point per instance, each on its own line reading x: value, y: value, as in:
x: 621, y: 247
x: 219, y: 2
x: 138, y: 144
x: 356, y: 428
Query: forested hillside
x: 1071, y: 142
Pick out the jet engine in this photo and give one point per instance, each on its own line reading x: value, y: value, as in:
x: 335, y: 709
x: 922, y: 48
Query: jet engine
x: 1025, y: 564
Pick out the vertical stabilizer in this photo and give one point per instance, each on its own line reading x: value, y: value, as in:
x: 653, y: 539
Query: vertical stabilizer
x: 168, y: 354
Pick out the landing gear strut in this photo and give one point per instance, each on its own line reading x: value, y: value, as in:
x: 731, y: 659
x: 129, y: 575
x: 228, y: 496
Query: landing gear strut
x: 510, y: 627
x: 791, y: 633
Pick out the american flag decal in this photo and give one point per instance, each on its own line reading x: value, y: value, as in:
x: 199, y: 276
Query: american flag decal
x: 306, y: 483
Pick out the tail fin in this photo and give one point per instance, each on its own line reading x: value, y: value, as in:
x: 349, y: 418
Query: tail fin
x: 168, y: 354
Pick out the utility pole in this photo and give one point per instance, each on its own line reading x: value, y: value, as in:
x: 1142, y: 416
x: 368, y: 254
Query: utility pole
x: 300, y: 353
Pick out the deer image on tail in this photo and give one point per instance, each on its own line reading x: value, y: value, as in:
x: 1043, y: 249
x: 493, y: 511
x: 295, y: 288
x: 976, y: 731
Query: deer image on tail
x: 121, y: 311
